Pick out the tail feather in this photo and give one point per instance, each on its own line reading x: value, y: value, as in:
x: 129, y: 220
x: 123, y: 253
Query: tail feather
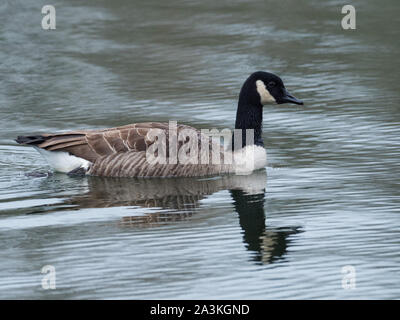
x: 33, y: 140
x: 73, y: 143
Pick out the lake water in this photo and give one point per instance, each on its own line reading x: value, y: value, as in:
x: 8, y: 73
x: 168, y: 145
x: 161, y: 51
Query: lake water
x: 328, y: 199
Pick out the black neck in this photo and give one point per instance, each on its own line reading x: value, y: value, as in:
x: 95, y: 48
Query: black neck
x: 249, y: 115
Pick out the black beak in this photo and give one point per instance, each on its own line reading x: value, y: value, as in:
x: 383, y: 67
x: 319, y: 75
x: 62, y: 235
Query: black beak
x: 288, y: 98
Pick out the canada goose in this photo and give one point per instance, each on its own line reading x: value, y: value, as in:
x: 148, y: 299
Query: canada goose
x: 122, y: 151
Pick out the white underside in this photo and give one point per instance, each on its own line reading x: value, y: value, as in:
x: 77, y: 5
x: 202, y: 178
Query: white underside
x: 249, y: 158
x: 63, y: 161
x: 245, y: 160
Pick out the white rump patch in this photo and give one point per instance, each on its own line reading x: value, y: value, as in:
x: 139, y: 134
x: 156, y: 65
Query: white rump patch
x: 266, y: 97
x: 62, y: 161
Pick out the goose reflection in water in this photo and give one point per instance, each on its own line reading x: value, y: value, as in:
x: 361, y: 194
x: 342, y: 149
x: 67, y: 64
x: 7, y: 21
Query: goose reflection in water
x: 267, y: 244
x: 177, y: 199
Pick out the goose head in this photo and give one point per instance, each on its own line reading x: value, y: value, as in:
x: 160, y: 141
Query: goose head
x: 263, y: 88
x: 260, y: 89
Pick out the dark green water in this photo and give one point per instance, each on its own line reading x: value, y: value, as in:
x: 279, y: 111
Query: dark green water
x: 328, y: 198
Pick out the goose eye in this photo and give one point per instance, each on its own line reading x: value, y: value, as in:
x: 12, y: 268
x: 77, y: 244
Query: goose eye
x: 271, y: 84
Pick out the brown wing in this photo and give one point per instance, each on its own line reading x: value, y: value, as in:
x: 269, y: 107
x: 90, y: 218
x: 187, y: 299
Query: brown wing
x: 93, y: 144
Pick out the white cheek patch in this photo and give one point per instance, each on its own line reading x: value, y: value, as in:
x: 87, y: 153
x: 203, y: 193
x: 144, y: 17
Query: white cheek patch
x: 266, y: 97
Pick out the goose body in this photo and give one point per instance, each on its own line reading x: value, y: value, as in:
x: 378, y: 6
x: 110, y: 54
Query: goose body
x: 124, y: 151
